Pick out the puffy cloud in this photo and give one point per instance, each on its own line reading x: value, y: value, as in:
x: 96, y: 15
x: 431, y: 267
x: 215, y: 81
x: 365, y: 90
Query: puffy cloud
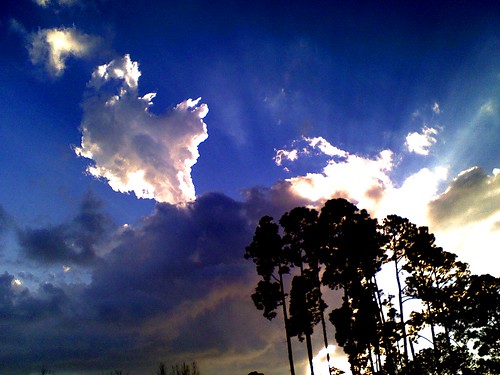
x: 345, y: 175
x: 364, y: 180
x: 310, y: 144
x: 282, y: 155
x: 134, y: 149
x: 420, y: 143
x: 52, y: 47
x: 326, y: 147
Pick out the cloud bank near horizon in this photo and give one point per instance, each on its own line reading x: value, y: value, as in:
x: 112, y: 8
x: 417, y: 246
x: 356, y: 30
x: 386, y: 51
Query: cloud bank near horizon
x: 133, y: 149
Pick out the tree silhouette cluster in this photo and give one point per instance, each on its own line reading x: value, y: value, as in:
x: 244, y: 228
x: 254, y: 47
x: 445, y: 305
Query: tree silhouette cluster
x: 441, y: 319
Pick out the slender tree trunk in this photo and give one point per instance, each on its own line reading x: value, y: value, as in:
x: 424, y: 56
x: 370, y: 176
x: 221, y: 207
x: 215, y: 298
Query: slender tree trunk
x: 403, y: 326
x: 434, y: 341
x: 287, y: 329
x: 381, y: 318
x: 310, y: 352
x: 323, y: 324
x: 325, y: 338
x: 372, y: 364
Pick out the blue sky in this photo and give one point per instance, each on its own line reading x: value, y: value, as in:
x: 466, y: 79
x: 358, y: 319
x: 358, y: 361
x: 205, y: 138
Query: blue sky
x: 124, y: 215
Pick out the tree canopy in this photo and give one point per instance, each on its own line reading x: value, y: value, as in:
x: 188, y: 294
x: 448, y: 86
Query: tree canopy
x: 438, y: 319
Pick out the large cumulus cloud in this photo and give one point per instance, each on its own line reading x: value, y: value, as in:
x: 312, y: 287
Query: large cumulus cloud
x: 133, y: 149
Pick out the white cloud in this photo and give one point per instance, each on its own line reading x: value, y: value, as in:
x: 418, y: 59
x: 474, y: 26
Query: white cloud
x: 52, y: 47
x: 354, y: 177
x: 311, y: 144
x: 282, y: 155
x: 347, y: 175
x: 326, y: 147
x: 420, y: 143
x: 465, y: 216
x: 133, y: 149
x: 367, y: 182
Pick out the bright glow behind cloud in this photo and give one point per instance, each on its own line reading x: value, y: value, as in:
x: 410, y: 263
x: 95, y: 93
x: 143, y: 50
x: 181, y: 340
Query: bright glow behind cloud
x: 347, y: 175
x: 133, y: 149
x: 367, y: 182
x: 465, y: 217
x: 52, y: 47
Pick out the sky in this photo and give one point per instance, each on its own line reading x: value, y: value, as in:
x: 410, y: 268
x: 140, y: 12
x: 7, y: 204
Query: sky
x: 141, y: 141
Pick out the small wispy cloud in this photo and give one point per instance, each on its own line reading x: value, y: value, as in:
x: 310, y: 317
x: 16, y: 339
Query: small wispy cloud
x: 420, y: 143
x: 52, y: 47
x: 325, y: 147
x: 309, y: 146
x: 282, y: 155
x: 487, y: 108
x: 133, y: 149
x: 435, y: 108
x: 47, y: 3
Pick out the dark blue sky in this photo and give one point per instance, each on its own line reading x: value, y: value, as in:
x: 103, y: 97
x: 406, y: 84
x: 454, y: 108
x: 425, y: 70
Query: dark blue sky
x: 395, y: 106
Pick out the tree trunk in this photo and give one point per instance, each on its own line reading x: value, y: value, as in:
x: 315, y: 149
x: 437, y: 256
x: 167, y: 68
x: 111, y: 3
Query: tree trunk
x: 287, y: 329
x: 403, y: 326
x: 310, y: 352
x: 381, y: 319
x: 325, y: 338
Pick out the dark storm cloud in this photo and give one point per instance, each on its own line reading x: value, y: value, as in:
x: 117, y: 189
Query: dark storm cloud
x: 19, y: 305
x: 473, y: 196
x: 176, y: 253
x: 72, y: 243
x: 173, y: 287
